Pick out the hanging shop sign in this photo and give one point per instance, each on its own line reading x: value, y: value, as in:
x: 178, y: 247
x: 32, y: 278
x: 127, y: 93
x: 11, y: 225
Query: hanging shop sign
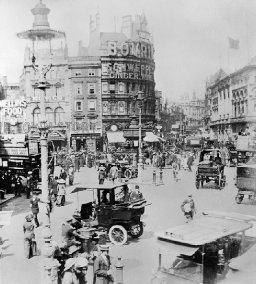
x: 12, y: 107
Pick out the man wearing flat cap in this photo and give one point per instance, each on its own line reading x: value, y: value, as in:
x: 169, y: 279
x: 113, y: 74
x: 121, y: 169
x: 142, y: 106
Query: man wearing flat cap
x: 102, y: 267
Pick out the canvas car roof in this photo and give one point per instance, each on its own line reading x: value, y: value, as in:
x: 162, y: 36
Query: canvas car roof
x: 203, y: 230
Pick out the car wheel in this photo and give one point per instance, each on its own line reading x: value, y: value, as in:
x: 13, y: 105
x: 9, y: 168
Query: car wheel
x: 136, y: 230
x: 202, y: 183
x: 197, y: 184
x: 117, y: 235
x: 128, y: 174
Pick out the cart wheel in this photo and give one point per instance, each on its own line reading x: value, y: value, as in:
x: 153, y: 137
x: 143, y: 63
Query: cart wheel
x: 128, y: 174
x: 136, y: 230
x: 197, y: 184
x: 117, y: 235
x: 239, y: 199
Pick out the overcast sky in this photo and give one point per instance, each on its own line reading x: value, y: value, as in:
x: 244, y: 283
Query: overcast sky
x: 190, y: 36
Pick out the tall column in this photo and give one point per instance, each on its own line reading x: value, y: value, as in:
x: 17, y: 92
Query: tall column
x: 140, y: 164
x: 44, y: 152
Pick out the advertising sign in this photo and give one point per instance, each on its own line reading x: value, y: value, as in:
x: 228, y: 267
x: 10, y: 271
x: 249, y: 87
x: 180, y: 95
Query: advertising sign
x: 14, y: 151
x: 12, y: 107
x: 33, y: 147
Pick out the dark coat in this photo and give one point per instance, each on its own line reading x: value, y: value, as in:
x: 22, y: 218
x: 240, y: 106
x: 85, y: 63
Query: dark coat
x: 34, y: 205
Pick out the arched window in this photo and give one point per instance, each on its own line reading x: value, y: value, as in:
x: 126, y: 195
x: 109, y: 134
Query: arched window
x: 59, y: 115
x: 36, y: 116
x: 49, y: 115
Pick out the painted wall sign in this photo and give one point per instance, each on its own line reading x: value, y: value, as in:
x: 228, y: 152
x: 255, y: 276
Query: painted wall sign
x: 12, y: 107
x: 138, y: 49
x: 132, y: 71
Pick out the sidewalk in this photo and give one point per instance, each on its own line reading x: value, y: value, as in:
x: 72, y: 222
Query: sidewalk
x: 7, y: 197
x: 14, y: 267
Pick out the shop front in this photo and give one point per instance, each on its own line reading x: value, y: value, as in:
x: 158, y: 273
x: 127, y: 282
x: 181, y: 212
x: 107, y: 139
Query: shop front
x: 92, y: 142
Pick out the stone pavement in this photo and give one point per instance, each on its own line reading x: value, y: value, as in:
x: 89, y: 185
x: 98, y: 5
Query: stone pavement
x: 15, y: 268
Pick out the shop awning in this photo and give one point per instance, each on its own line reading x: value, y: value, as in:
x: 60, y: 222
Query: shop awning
x: 115, y: 137
x: 151, y: 137
x: 56, y: 136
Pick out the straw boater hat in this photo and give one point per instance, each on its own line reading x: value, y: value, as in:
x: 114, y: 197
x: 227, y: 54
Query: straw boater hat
x: 29, y: 217
x: 61, y: 180
x: 69, y: 263
x: 104, y: 247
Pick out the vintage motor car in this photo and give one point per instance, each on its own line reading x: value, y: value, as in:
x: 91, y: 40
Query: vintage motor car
x: 200, y: 251
x: 114, y: 212
x: 211, y: 168
x: 246, y: 182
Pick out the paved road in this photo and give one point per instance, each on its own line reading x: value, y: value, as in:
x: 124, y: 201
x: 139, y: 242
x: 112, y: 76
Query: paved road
x: 140, y: 256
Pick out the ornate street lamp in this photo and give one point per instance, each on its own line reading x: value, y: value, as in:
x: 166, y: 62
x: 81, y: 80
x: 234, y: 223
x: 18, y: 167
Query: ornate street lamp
x: 41, y: 34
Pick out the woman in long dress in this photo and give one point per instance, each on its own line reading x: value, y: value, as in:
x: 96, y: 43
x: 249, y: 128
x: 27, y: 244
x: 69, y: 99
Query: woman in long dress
x: 61, y: 192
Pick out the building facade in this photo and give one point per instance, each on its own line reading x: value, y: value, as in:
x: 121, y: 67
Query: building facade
x: 231, y: 102
x: 93, y: 92
x: 57, y: 96
x: 127, y: 67
x: 86, y: 108
x: 193, y: 110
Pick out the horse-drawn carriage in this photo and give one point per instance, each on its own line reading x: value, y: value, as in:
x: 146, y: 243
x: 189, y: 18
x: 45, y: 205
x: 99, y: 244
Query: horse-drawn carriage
x: 211, y: 168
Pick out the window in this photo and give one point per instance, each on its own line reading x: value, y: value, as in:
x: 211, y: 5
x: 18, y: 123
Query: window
x: 105, y: 108
x: 121, y: 107
x: 49, y: 115
x: 91, y: 105
x: 36, y: 116
x: 78, y: 73
x: 105, y: 87
x: 91, y: 72
x: 105, y: 69
x: 112, y: 88
x: 78, y: 89
x: 121, y: 87
x: 79, y: 106
x: 59, y: 115
x: 91, y: 88
x: 113, y: 108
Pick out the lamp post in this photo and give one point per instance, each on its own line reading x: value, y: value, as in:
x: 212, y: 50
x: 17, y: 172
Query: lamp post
x: 139, y: 98
x: 42, y: 85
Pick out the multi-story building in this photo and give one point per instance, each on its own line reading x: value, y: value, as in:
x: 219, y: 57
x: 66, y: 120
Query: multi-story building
x: 93, y: 92
x: 128, y: 66
x: 85, y: 89
x: 193, y: 110
x: 57, y: 97
x: 231, y: 102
